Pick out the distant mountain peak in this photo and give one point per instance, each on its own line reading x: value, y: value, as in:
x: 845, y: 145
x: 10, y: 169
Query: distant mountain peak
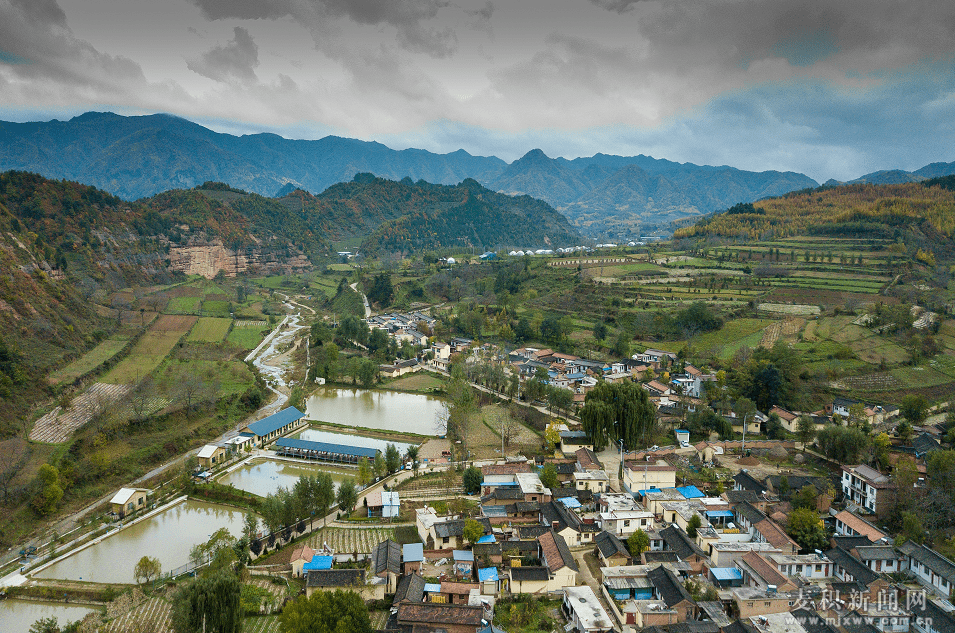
x: 95, y: 116
x: 534, y: 156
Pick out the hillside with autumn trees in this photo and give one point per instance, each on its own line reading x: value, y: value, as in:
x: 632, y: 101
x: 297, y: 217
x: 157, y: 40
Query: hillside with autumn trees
x: 857, y: 210
x: 407, y: 216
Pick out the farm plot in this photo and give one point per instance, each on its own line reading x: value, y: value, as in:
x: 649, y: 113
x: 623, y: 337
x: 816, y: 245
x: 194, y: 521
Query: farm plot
x: 247, y: 334
x: 89, y: 361
x: 217, y: 308
x: 944, y: 363
x: 276, y: 592
x: 210, y: 330
x: 350, y: 540
x: 153, y: 615
x: 875, y: 349
x: 183, y: 305
x: 261, y: 624
x: 417, y: 382
x: 230, y: 376
x: 151, y: 349
x: 791, y: 309
x: 57, y: 425
x: 918, y: 377
x: 781, y: 330
x: 883, y: 381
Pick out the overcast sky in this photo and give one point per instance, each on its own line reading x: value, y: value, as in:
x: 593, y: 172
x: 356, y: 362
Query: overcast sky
x: 830, y: 89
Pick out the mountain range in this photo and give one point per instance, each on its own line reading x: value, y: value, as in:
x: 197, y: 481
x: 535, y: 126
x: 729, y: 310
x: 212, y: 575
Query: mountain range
x: 135, y: 157
x: 899, y: 176
x: 602, y: 195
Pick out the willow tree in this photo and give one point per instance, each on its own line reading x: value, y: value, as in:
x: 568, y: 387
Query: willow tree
x: 620, y: 411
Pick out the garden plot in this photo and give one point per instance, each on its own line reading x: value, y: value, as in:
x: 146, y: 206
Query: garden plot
x: 350, y: 540
x: 261, y: 624
x: 57, y: 425
x: 153, y: 615
x: 277, y: 592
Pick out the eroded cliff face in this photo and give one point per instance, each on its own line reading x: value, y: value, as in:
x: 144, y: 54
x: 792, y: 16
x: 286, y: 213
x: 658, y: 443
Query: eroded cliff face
x: 207, y: 258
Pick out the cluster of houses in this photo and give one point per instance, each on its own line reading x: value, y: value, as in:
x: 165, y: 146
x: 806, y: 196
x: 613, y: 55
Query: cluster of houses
x: 711, y: 563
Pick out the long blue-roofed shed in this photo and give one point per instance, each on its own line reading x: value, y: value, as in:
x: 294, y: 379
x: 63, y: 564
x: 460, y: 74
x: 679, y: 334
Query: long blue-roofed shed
x: 267, y: 430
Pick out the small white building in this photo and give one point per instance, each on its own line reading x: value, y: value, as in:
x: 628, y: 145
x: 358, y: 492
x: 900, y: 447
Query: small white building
x: 584, y: 611
x: 623, y: 523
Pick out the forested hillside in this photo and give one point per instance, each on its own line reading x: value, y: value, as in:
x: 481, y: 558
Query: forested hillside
x: 407, y: 216
x: 861, y: 209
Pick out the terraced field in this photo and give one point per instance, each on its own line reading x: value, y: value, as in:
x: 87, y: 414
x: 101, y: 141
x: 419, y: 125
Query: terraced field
x: 57, y: 425
x: 151, y: 349
x: 153, y: 615
x: 89, y: 361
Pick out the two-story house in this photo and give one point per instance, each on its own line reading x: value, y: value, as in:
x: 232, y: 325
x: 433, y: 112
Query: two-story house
x: 867, y: 490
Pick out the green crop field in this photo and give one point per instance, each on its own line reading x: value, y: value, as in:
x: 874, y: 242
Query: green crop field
x: 90, y: 360
x: 183, y: 305
x: 151, y: 349
x: 232, y: 376
x: 723, y: 342
x: 876, y: 349
x: 922, y: 376
x: 210, y: 330
x: 215, y: 308
x: 246, y: 336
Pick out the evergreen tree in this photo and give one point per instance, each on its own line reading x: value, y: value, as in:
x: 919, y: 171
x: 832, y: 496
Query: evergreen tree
x: 392, y: 458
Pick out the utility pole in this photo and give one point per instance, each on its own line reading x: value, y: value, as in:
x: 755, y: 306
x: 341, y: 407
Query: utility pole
x: 743, y: 449
x: 620, y: 474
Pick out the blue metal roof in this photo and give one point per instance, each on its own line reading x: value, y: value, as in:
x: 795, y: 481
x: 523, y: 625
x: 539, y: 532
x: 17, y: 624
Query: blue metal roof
x: 487, y: 573
x: 318, y: 562
x: 690, y: 492
x: 412, y: 552
x: 276, y: 421
x: 487, y: 538
x: 719, y: 513
x: 463, y: 555
x: 570, y: 502
x: 325, y: 447
x: 726, y: 573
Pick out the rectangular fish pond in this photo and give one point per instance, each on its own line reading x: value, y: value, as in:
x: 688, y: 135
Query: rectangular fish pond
x: 168, y: 536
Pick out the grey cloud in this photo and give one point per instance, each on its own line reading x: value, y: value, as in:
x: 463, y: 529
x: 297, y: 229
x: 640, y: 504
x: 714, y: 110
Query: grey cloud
x: 408, y: 17
x: 41, y: 12
x: 38, y: 34
x: 235, y: 60
x: 484, y: 12
x: 246, y: 9
x: 618, y: 6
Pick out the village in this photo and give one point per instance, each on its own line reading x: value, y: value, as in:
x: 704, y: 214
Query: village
x: 689, y: 537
